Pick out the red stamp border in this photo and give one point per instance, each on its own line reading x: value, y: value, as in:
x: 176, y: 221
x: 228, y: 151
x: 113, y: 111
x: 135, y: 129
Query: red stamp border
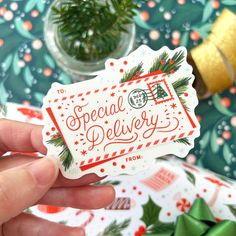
x: 165, y: 100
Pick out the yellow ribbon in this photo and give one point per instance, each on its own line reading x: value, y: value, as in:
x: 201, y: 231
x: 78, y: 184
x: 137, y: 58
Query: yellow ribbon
x: 215, y: 58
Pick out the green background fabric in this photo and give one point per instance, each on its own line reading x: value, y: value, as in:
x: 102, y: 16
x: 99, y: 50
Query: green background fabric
x: 27, y: 68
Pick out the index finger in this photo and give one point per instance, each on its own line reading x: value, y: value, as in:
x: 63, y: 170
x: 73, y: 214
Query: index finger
x: 20, y: 137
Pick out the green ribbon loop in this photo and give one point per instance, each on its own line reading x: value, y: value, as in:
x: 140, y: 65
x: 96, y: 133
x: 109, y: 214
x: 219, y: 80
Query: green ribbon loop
x: 199, y: 221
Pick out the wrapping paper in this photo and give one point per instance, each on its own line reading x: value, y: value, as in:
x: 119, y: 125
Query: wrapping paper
x: 165, y: 191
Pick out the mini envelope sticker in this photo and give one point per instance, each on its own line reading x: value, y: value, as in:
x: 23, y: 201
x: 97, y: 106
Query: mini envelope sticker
x: 140, y: 108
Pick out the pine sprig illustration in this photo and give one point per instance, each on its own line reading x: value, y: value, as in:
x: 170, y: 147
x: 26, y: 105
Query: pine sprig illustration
x: 181, y: 85
x: 115, y: 229
x: 167, y: 65
x: 183, y: 141
x: 65, y: 154
x: 133, y: 73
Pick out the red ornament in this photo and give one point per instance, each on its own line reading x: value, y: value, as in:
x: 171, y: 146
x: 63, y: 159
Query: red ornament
x: 27, y: 25
x: 27, y: 57
x: 162, y: 62
x: 171, y: 62
x: 194, y: 36
x: 215, y: 4
x: 144, y: 15
x: 226, y: 135
x: 226, y: 102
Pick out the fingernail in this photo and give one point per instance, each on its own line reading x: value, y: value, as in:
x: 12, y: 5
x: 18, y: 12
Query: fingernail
x: 44, y: 170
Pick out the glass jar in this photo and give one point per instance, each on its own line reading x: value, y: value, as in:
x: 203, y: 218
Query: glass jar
x: 82, y: 70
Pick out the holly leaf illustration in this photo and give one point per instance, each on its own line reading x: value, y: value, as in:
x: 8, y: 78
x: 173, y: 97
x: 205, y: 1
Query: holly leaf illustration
x: 218, y: 105
x: 184, y: 39
x: 205, y: 139
x: 214, y: 145
x: 4, y: 94
x: 207, y: 12
x: 28, y: 77
x: 227, y: 154
x: 151, y: 213
x: 190, y: 176
x: 229, y: 2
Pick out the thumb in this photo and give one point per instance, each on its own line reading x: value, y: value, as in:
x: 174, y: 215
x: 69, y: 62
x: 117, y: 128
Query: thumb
x: 23, y: 186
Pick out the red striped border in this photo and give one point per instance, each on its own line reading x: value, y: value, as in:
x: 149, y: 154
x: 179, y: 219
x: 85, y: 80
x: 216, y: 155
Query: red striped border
x: 107, y: 157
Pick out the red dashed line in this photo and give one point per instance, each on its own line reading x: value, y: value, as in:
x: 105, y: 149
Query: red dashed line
x: 191, y: 132
x: 80, y: 95
x: 90, y: 160
x: 82, y: 163
x: 96, y: 91
x: 139, y: 146
x: 131, y: 149
x: 64, y: 98
x: 72, y: 96
x: 181, y: 135
x: 156, y: 142
x: 106, y: 156
x: 114, y: 154
x: 98, y: 158
x: 122, y: 151
x: 173, y: 137
x: 164, y: 140
x: 148, y: 144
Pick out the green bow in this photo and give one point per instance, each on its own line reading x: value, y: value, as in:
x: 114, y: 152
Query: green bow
x: 199, y: 221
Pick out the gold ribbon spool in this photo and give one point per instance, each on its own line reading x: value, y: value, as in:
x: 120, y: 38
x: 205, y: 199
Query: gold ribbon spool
x: 211, y: 66
x: 210, y: 56
x: 224, y: 36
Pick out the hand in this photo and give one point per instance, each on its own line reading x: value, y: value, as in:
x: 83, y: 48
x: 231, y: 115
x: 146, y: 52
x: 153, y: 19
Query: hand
x: 27, y: 180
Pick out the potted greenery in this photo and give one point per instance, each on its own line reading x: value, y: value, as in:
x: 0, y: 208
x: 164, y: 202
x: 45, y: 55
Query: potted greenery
x: 82, y: 34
